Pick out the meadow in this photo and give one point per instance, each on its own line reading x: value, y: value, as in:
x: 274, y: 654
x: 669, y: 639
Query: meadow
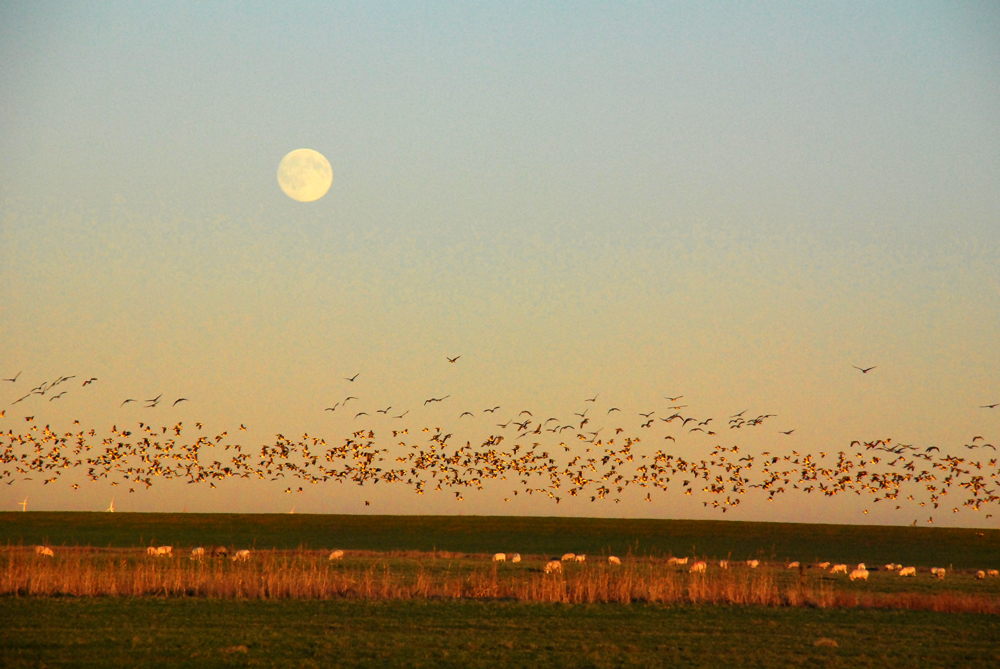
x: 424, y: 591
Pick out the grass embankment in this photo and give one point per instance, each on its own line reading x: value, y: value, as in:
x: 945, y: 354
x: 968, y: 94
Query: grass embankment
x: 305, y: 574
x: 948, y: 547
x: 186, y: 632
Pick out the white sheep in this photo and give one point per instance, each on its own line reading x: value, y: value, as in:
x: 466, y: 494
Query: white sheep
x: 220, y: 551
x: 553, y: 565
x: 698, y: 567
x: 677, y: 560
x: 151, y: 550
x: 753, y: 564
x: 940, y: 573
x: 242, y: 556
x: 197, y: 553
x: 500, y: 557
x: 823, y: 565
x: 862, y: 567
x: 44, y: 550
x: 908, y: 571
x: 992, y: 572
x: 980, y: 574
x: 839, y: 569
x: 891, y: 566
x: 568, y: 556
x: 581, y: 558
x: 793, y: 565
x: 516, y: 557
x: 337, y: 555
x: 861, y: 574
x: 723, y: 564
x: 165, y: 551
x: 613, y: 560
x: 934, y: 571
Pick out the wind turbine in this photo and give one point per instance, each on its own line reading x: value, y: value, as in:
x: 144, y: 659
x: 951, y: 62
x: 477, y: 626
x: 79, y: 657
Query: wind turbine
x: 111, y: 509
x: 293, y: 510
x: 24, y: 504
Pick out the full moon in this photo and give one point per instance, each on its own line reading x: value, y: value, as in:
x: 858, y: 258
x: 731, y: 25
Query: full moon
x: 305, y: 175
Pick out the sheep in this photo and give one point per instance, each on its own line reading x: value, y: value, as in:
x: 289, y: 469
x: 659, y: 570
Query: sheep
x: 581, y: 558
x: 723, y: 564
x: 698, y: 567
x: 568, y: 556
x: 823, y: 565
x: 242, y: 556
x: 793, y: 565
x: 165, y: 551
x: 839, y: 569
x: 337, y: 555
x: 753, y: 564
x: 500, y: 557
x: 980, y: 575
x: 516, y: 557
x: 613, y: 560
x: 891, y: 567
x: 992, y: 572
x: 151, y: 550
x: 862, y: 567
x: 861, y: 574
x: 940, y: 573
x: 677, y: 560
x: 220, y: 551
x: 934, y: 571
x: 908, y: 571
x: 44, y: 550
x: 197, y: 553
x: 553, y: 565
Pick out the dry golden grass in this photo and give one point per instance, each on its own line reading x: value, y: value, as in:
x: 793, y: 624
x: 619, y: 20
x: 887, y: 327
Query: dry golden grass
x: 366, y: 575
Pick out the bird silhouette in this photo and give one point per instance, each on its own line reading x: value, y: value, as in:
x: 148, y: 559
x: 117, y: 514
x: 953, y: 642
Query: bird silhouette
x: 864, y: 370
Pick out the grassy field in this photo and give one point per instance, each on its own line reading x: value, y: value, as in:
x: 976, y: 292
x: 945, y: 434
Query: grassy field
x: 954, y: 547
x: 130, y: 632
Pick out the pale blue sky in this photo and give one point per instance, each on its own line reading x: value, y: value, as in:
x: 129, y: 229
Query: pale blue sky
x: 734, y: 202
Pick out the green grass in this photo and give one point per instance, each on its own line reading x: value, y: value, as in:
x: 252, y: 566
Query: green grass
x: 956, y: 547
x: 131, y: 632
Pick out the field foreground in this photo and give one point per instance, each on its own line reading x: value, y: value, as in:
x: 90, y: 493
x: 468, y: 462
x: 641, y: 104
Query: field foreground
x: 199, y: 632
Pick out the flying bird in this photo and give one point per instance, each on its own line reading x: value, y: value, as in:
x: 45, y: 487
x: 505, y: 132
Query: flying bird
x: 179, y: 400
x: 127, y: 401
x: 864, y: 370
x: 351, y: 379
x: 89, y: 381
x: 783, y: 432
x: 453, y: 360
x: 14, y: 380
x: 984, y: 406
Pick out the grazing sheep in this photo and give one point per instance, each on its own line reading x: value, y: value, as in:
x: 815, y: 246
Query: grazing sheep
x: 861, y: 566
x: 891, y: 566
x: 793, y: 565
x: 197, y: 553
x: 500, y: 557
x: 859, y: 574
x: 992, y: 572
x: 165, y: 551
x: 908, y: 571
x: 723, y: 564
x: 337, y: 555
x: 940, y: 573
x: 220, y: 551
x: 823, y: 565
x: 753, y: 564
x: 677, y: 560
x: 581, y: 558
x: 151, y: 550
x: 698, y: 567
x: 839, y: 569
x: 613, y: 560
x: 568, y: 556
x: 553, y: 565
x: 44, y: 550
x: 934, y: 571
x: 980, y: 575
x: 516, y: 557
x: 242, y: 556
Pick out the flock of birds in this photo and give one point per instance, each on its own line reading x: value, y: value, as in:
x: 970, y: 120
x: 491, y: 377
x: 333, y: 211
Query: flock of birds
x: 545, y: 455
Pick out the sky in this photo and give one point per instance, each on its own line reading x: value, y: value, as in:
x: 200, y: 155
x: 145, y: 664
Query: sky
x: 733, y: 202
